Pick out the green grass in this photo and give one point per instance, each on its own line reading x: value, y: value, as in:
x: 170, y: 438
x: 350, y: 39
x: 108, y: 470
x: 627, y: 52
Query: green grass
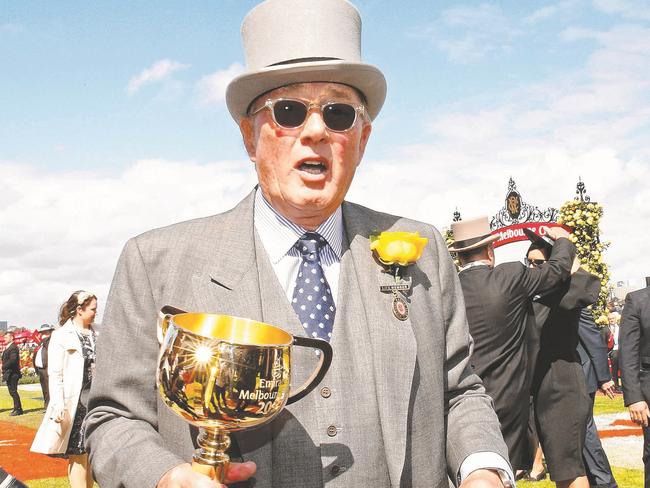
x: 625, y: 478
x: 604, y: 405
x: 32, y: 402
x: 49, y: 483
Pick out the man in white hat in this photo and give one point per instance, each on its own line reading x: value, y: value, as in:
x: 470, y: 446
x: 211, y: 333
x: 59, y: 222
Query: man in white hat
x: 498, y: 301
x: 399, y: 405
x: 39, y: 359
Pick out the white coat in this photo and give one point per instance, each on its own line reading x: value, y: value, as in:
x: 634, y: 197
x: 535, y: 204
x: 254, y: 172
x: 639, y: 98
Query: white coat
x: 65, y: 369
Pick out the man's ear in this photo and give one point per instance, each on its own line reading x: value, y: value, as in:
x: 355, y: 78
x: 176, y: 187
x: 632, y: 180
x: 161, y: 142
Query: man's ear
x: 365, y: 135
x: 248, y: 135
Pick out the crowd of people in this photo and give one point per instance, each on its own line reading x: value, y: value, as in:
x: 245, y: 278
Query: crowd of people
x: 535, y: 338
x: 435, y: 371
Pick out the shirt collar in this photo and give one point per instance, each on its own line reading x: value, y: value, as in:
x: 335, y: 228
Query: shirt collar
x: 278, y: 234
x: 473, y: 264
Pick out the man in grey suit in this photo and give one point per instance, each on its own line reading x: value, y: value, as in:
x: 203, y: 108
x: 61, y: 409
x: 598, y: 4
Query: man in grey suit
x: 634, y: 361
x: 399, y: 406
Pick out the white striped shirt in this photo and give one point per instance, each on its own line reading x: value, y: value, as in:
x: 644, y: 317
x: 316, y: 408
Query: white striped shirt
x: 279, y: 235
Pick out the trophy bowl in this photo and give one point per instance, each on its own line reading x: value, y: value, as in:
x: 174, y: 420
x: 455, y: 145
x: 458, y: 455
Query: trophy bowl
x: 224, y: 374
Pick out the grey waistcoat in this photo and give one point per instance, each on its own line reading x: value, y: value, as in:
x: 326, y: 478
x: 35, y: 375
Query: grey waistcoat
x: 333, y: 436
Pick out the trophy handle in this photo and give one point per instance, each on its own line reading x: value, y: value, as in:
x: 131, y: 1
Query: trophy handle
x: 320, y: 372
x: 164, y: 316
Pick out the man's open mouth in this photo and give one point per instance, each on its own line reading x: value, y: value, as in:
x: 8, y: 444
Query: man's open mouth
x: 313, y: 167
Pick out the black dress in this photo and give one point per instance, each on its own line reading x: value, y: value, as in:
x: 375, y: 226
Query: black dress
x: 559, y: 390
x: 77, y: 434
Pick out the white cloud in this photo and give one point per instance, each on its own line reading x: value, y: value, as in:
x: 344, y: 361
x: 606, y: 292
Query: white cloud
x: 548, y: 11
x: 64, y: 231
x: 469, y: 34
x: 211, y: 88
x: 631, y: 9
x: 157, y: 72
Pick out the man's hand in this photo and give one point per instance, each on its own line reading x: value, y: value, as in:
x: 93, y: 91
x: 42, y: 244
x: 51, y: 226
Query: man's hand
x: 639, y: 413
x: 182, y: 476
x: 608, y: 388
x: 556, y: 232
x: 482, y: 478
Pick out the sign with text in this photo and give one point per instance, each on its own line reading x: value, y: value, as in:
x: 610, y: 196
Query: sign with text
x: 515, y: 232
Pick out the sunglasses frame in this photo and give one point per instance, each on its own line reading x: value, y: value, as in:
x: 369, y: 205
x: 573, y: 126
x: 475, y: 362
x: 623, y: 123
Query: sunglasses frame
x: 359, y: 110
x: 535, y: 262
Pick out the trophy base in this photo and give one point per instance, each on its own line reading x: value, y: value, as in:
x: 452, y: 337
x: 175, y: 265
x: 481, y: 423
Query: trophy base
x: 211, y: 459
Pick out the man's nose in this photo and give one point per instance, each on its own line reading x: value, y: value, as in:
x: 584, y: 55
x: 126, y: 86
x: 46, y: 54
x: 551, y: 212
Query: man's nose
x: 314, y: 129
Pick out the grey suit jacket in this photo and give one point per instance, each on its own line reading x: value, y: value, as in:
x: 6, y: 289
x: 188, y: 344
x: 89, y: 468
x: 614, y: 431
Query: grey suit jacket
x: 634, y: 347
x: 432, y: 409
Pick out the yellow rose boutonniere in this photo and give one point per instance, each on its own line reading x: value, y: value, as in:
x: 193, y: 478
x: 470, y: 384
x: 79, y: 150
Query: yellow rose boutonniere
x: 402, y: 248
x: 396, y: 251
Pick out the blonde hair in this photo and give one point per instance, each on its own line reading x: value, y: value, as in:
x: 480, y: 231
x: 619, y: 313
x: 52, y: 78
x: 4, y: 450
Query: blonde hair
x: 79, y: 298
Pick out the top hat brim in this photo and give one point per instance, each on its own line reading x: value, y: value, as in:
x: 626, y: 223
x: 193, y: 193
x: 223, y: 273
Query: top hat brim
x: 475, y: 245
x: 537, y: 239
x: 244, y: 89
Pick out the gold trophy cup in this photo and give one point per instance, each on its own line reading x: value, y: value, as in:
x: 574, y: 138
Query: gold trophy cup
x: 224, y: 374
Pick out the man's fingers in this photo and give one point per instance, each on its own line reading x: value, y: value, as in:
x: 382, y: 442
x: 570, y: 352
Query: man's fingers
x: 240, y: 471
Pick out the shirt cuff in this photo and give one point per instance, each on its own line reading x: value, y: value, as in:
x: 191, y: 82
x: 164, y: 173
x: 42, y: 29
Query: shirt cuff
x: 484, y: 460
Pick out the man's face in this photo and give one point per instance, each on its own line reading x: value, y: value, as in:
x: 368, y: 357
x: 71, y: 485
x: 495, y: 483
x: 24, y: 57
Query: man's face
x: 9, y: 338
x: 305, y: 172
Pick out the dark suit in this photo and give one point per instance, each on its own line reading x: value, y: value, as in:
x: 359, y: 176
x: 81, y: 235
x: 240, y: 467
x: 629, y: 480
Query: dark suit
x: 593, y: 356
x: 498, y: 303
x: 11, y: 373
x: 42, y: 372
x: 559, y: 390
x: 634, y: 358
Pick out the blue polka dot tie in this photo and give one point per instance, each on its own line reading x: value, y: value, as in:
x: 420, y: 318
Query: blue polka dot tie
x: 312, y: 297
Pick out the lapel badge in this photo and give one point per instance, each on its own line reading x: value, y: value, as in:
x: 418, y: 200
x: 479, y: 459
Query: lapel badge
x: 395, y: 251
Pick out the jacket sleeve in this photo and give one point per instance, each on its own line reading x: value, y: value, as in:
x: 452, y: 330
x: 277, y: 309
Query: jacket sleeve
x: 125, y: 448
x: 592, y: 342
x: 542, y: 280
x: 472, y: 424
x: 583, y: 291
x: 13, y: 361
x: 55, y: 370
x: 629, y: 339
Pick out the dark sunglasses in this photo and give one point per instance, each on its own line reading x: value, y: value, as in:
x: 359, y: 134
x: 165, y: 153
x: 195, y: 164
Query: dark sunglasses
x: 291, y: 113
x: 534, y: 262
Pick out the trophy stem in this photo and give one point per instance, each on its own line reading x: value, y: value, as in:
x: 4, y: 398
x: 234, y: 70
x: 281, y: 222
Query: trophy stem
x: 211, y: 458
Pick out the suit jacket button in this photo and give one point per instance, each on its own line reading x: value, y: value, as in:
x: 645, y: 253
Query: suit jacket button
x: 325, y: 392
x: 335, y: 470
x: 331, y: 430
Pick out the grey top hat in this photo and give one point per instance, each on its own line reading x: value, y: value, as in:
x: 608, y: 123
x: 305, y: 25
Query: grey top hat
x: 46, y: 328
x: 298, y: 41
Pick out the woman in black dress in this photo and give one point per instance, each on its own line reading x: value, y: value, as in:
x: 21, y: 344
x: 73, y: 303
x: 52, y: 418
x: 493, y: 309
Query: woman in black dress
x: 559, y: 391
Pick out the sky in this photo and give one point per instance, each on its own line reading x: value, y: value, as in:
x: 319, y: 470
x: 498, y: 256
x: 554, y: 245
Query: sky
x: 113, y: 122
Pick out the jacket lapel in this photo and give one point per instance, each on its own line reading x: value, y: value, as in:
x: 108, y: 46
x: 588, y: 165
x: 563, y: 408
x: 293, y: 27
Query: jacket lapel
x: 229, y: 283
x: 393, y: 342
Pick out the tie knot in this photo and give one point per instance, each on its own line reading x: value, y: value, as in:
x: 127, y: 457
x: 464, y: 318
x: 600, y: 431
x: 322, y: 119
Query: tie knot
x: 309, y: 245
